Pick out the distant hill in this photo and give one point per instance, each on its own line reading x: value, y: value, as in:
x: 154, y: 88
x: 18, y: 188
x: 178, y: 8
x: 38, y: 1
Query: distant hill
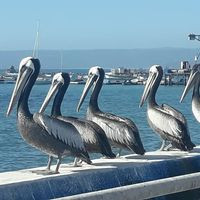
x: 131, y: 58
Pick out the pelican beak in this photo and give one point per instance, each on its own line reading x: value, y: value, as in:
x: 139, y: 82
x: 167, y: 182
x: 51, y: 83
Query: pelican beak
x: 21, y: 81
x: 194, y: 74
x: 86, y: 89
x: 52, y: 90
x: 148, y: 86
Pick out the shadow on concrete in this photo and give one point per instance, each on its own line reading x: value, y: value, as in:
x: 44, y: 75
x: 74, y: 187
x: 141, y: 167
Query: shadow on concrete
x: 129, y: 160
x: 156, y: 157
x: 195, y: 150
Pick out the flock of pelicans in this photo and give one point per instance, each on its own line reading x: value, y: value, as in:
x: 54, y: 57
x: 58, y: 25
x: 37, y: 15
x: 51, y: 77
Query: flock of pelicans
x: 60, y: 136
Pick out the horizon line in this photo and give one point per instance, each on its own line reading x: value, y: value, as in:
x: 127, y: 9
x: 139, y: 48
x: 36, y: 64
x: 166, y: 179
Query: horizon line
x: 100, y: 49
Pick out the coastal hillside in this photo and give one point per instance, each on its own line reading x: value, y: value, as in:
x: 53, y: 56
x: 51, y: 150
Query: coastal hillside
x: 131, y: 58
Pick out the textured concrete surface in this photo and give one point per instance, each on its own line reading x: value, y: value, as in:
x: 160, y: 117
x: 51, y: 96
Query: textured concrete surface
x: 103, y: 174
x: 146, y: 190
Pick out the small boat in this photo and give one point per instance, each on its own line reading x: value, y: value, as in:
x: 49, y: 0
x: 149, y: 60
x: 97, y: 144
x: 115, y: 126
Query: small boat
x: 43, y: 81
x: 78, y: 81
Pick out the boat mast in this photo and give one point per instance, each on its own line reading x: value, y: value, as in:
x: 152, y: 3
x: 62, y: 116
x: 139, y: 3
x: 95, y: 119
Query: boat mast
x: 36, y: 44
x: 61, y: 60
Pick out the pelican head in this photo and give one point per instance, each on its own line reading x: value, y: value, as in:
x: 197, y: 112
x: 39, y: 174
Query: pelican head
x: 93, y: 76
x: 27, y: 67
x: 193, y: 78
x: 59, y: 80
x: 154, y: 72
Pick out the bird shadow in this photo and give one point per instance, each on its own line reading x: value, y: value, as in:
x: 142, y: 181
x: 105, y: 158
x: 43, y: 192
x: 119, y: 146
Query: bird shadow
x: 127, y: 160
x: 195, y: 150
x: 44, y: 172
x: 154, y: 157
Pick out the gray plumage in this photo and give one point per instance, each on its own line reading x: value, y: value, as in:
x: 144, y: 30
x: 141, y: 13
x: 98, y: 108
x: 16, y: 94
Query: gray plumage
x: 194, y: 82
x: 120, y: 131
x: 165, y: 120
x: 92, y: 134
x: 55, y: 138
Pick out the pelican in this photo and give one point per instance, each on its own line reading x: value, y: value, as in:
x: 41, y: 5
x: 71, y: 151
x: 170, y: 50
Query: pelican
x: 93, y: 135
x: 194, y: 81
x: 49, y: 135
x: 121, y: 132
x: 168, y: 122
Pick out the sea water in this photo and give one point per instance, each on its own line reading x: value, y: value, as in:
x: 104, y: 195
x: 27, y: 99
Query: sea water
x: 122, y: 100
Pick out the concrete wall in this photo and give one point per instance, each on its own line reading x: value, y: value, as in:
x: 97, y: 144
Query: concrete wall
x: 145, y: 190
x: 104, y: 174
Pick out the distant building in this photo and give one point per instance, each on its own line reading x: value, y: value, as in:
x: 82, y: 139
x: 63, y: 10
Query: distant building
x: 185, y: 65
x: 11, y: 70
x: 184, y: 68
x: 120, y: 70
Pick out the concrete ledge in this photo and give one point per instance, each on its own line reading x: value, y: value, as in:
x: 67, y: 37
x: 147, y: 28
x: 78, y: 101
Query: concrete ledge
x: 146, y: 190
x: 104, y: 174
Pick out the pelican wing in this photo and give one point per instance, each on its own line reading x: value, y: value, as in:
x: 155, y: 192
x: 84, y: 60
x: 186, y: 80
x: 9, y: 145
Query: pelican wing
x: 92, y: 135
x: 176, y: 128
x: 115, y: 129
x: 165, y: 122
x: 62, y: 131
x: 110, y: 116
x: 85, y: 130
x: 131, y: 124
x: 125, y: 120
x: 178, y: 115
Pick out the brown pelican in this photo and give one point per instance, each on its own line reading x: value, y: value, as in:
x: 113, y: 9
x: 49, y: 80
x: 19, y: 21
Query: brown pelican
x: 194, y: 81
x: 121, y: 132
x: 45, y: 133
x: 169, y: 123
x: 93, y: 136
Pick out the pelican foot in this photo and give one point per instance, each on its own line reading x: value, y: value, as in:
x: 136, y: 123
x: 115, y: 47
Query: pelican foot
x: 103, y: 157
x: 118, y: 155
x: 77, y: 164
x: 161, y: 149
x: 168, y: 148
x: 164, y: 149
x: 80, y: 162
x: 74, y: 164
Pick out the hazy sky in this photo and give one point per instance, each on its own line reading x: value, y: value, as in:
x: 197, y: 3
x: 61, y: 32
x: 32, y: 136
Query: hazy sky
x: 99, y: 24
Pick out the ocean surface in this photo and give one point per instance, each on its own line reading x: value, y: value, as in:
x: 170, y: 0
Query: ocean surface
x: 122, y: 100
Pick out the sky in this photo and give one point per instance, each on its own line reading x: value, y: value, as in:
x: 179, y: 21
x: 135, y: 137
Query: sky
x: 103, y: 24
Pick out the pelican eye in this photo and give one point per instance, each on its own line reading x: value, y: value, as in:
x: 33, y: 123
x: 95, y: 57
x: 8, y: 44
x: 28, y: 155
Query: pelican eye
x: 55, y: 82
x: 23, y: 69
x: 150, y: 73
x: 90, y: 75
